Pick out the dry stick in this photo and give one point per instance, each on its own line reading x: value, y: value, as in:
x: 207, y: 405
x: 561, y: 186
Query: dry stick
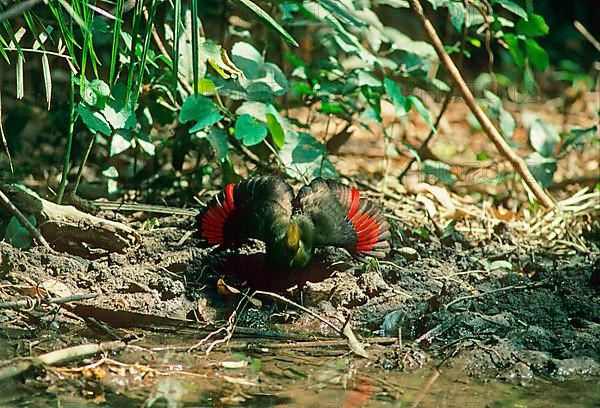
x: 492, y: 133
x: 56, y: 357
x: 588, y: 36
x: 30, y: 302
x: 304, y: 309
x: 24, y: 221
x: 504, y: 289
x: 430, y: 136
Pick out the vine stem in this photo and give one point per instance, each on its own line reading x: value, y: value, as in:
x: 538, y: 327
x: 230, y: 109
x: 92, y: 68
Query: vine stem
x: 65, y: 170
x: 518, y: 163
x: 23, y: 220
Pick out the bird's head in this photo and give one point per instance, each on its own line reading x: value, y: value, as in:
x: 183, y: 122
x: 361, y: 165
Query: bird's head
x: 297, y: 244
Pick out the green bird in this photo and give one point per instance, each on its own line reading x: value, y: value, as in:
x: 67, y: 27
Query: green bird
x: 323, y: 213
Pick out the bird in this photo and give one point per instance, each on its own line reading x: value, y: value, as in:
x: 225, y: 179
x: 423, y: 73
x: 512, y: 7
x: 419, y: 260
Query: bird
x: 322, y: 213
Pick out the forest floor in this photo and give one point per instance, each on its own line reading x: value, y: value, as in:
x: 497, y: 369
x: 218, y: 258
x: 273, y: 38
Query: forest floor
x: 469, y: 291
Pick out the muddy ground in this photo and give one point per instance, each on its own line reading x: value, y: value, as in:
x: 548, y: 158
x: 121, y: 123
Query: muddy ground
x: 491, y: 307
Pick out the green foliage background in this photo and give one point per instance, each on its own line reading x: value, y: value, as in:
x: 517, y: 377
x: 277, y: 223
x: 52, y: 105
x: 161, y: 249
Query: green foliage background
x: 163, y: 95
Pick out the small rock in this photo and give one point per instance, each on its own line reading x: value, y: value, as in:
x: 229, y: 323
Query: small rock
x: 408, y: 253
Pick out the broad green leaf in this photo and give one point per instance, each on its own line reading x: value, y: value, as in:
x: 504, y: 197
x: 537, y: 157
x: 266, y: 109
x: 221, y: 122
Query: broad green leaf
x: 146, y: 146
x: 457, y: 15
x: 305, y: 156
x: 367, y: 79
x: 93, y: 120
x: 119, y: 116
x: 275, y: 129
x: 534, y: 26
x: 439, y: 170
x: 542, y: 168
x: 248, y: 59
x: 401, y: 104
x: 507, y: 124
x: 418, y: 105
x: 111, y: 172
x: 515, y: 49
x: 218, y: 140
x: 17, y: 235
x: 120, y: 142
x: 537, y: 55
x: 249, y: 130
x: 202, y: 110
x: 513, y: 8
x: 206, y: 86
x: 328, y: 107
x: 262, y: 15
x: 577, y: 137
x: 543, y: 137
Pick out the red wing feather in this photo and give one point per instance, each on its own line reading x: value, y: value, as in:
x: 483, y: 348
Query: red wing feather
x: 342, y: 219
x: 253, y: 208
x: 212, y: 222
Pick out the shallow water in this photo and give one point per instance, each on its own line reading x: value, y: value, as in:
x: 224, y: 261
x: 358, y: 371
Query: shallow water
x: 155, y: 373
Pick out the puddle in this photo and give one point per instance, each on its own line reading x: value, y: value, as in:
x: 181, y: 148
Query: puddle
x: 154, y: 372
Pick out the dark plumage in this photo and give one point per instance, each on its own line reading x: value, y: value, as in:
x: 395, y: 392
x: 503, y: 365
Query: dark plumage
x: 323, y: 213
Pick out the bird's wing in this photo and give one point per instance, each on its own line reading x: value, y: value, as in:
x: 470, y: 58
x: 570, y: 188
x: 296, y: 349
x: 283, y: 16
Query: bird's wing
x: 341, y: 218
x: 254, y: 208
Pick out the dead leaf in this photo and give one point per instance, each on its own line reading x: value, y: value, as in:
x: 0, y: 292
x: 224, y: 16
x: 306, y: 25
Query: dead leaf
x: 56, y: 288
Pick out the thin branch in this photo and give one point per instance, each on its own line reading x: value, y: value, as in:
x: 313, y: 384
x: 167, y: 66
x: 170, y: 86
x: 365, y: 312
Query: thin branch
x: 487, y: 125
x: 588, y: 36
x: 423, y: 146
x: 304, y: 309
x: 18, y: 366
x: 504, y: 289
x: 31, y: 302
x: 23, y: 220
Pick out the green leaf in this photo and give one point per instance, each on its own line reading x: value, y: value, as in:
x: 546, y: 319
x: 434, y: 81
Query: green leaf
x: 119, y: 116
x: 93, y: 120
x: 146, y: 145
x: 537, y: 55
x: 120, y: 142
x: 249, y: 130
x: 17, y: 235
x: 303, y: 155
x: 206, y: 86
x: 248, y: 59
x: 95, y: 92
x: 577, y: 137
x: 457, y: 15
x: 268, y: 20
x: 515, y: 49
x: 483, y: 156
x: 542, y: 168
x: 513, y: 8
x: 439, y: 170
x: 534, y: 26
x: 202, y: 110
x: 327, y: 107
x: 218, y: 140
x: 418, y: 105
x: 543, y: 137
x: 401, y: 105
x: 111, y: 172
x: 275, y: 129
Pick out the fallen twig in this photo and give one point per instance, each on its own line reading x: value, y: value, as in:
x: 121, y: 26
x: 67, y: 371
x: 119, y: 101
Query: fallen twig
x: 304, y: 309
x: 518, y: 163
x: 228, y: 334
x: 23, y: 220
x: 17, y: 366
x: 31, y: 302
x: 504, y: 289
